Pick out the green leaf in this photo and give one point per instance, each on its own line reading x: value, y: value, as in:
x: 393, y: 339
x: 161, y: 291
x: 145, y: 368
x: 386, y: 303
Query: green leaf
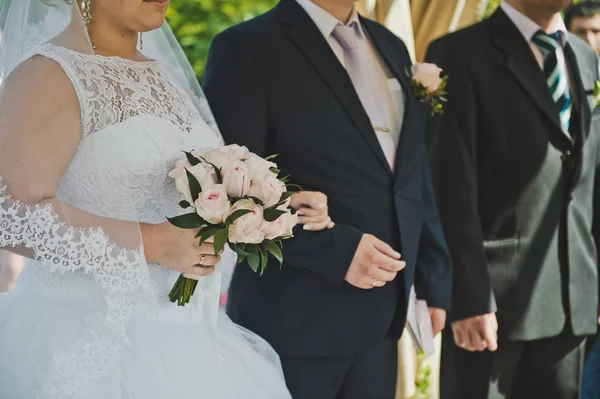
x: 272, y: 215
x: 184, y: 204
x: 236, y: 215
x: 274, y: 250
x: 191, y: 159
x: 239, y: 249
x: 187, y: 221
x: 206, y: 233
x: 264, y: 260
x: 294, y: 186
x: 253, y: 261
x: 256, y: 201
x: 275, y: 170
x: 284, y: 197
x: 195, y: 187
x: 217, y: 171
x: 220, y: 240
x: 268, y: 158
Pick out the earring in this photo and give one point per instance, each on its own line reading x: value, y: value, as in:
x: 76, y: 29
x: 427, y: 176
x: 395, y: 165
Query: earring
x: 85, y: 11
x: 141, y: 40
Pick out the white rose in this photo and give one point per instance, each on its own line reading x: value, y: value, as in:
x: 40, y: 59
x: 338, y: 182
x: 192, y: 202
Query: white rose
x: 237, y: 181
x: 246, y: 229
x: 213, y: 205
x: 237, y: 151
x: 428, y: 75
x: 283, y: 226
x: 181, y: 180
x: 257, y: 166
x: 205, y: 174
x: 219, y: 157
x: 267, y: 189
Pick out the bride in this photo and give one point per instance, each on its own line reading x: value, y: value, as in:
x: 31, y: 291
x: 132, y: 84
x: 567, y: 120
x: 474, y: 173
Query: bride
x: 93, y: 116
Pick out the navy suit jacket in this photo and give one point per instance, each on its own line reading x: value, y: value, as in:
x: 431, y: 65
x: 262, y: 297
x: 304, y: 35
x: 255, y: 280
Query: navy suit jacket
x: 276, y: 87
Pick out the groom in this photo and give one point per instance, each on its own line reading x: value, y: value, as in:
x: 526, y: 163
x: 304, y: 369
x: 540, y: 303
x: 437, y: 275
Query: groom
x: 327, y: 91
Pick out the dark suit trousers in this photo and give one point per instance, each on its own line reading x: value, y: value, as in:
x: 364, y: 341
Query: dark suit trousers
x: 370, y: 374
x: 542, y: 369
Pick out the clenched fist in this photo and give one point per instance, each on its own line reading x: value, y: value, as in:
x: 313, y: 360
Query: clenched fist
x: 477, y: 334
x: 375, y: 264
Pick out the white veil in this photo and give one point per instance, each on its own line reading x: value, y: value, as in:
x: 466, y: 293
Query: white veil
x: 64, y: 239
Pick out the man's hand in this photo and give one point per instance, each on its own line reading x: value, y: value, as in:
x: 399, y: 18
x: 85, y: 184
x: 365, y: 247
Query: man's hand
x: 477, y: 333
x: 438, y: 320
x: 375, y: 263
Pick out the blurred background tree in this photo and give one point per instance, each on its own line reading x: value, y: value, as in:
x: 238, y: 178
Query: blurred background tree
x: 196, y: 22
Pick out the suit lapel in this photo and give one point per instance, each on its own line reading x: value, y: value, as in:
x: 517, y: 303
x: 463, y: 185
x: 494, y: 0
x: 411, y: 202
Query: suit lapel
x: 585, y: 113
x: 521, y: 62
x: 311, y: 42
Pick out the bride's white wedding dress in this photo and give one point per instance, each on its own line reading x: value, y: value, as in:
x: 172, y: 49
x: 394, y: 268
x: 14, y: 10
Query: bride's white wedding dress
x: 91, y: 321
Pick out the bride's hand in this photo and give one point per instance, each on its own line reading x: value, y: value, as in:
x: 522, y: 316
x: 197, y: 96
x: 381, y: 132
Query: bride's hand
x: 177, y: 249
x: 312, y: 209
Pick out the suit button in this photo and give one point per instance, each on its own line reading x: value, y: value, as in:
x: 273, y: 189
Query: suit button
x: 397, y: 192
x: 565, y: 156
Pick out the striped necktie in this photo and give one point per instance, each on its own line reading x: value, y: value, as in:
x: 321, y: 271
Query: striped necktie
x: 556, y: 75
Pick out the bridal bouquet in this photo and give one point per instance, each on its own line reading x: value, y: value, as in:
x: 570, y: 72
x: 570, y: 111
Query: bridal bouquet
x: 236, y: 198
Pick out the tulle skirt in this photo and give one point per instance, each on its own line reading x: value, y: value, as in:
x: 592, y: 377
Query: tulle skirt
x: 165, y: 360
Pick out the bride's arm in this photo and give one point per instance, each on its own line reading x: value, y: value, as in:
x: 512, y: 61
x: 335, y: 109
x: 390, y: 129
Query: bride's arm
x: 39, y: 135
x: 40, y: 131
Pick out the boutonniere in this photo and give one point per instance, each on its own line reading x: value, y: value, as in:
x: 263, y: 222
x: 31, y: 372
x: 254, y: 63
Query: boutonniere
x: 428, y: 85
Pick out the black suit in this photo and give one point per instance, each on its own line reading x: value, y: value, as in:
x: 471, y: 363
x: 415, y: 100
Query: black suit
x: 516, y: 197
x: 275, y: 86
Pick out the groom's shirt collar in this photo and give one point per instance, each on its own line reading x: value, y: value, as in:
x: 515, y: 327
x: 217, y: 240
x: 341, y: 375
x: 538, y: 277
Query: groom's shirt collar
x: 528, y: 28
x: 326, y: 22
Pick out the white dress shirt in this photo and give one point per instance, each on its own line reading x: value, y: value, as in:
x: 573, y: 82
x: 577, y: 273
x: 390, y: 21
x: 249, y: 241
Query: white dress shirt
x: 388, y: 86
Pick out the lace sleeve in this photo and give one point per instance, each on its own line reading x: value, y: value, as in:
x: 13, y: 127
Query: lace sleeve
x: 63, y: 248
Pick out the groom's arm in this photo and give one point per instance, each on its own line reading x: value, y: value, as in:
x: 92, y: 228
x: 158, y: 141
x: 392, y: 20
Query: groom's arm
x: 236, y: 94
x: 433, y: 275
x: 452, y: 146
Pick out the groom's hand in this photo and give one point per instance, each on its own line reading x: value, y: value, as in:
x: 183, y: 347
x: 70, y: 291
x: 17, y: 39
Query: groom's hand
x: 438, y: 320
x: 477, y: 334
x: 375, y: 263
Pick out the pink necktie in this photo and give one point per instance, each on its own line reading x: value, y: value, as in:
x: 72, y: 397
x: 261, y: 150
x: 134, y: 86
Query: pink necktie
x: 356, y: 59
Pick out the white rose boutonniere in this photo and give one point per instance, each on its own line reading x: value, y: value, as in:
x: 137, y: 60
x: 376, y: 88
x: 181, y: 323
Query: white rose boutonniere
x: 428, y: 85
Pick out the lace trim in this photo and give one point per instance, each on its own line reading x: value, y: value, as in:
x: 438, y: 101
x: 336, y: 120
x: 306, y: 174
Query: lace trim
x: 121, y: 273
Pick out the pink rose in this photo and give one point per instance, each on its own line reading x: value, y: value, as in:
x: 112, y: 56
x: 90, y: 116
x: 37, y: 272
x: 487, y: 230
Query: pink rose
x: 289, y: 222
x: 237, y: 151
x: 246, y: 229
x: 181, y: 180
x: 268, y: 190
x: 283, y: 226
x: 237, y: 181
x: 219, y: 157
x: 428, y: 75
x: 213, y: 205
x: 257, y: 166
x: 205, y: 174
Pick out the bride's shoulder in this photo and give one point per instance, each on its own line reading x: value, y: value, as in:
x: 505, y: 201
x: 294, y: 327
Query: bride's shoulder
x: 38, y: 87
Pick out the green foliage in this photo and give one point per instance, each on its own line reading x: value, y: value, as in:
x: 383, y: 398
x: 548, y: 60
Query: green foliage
x: 196, y: 22
x: 422, y: 382
x: 493, y: 4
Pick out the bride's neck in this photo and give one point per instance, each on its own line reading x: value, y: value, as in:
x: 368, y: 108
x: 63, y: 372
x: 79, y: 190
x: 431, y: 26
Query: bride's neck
x: 109, y: 40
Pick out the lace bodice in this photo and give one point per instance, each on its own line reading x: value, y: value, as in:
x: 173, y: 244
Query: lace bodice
x: 113, y: 90
x: 136, y: 122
